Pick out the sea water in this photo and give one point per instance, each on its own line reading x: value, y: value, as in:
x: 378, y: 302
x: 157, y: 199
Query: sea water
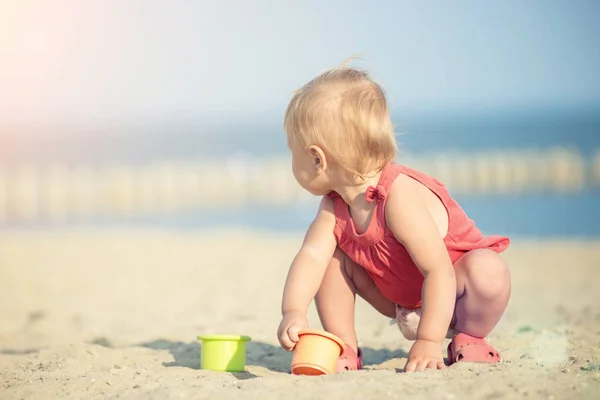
x: 534, y: 214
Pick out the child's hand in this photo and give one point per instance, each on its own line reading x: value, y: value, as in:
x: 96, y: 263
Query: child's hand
x: 424, y: 354
x: 289, y: 327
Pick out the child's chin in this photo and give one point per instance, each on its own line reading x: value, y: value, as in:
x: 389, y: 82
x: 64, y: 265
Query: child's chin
x: 317, y: 192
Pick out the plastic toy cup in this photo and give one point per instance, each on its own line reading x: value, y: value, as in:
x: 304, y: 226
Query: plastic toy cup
x: 223, y: 352
x: 316, y: 353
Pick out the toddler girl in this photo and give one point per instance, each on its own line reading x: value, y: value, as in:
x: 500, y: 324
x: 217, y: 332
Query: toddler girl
x: 384, y: 231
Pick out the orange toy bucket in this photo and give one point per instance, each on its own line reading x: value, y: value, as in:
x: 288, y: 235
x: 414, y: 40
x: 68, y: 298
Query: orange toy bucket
x: 316, y: 353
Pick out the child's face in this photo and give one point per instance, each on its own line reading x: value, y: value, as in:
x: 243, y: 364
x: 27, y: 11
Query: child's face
x: 309, y: 171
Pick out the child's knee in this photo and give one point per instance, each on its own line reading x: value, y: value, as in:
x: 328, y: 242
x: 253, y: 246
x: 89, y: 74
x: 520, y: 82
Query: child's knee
x: 487, y: 273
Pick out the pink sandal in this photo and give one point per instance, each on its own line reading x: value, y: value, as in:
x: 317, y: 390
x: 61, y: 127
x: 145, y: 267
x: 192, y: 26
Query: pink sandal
x: 466, y: 348
x: 350, y: 360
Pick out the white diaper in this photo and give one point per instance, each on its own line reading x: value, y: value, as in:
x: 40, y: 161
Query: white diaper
x: 408, y: 322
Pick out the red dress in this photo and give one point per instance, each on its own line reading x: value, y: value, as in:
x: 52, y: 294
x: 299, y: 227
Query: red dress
x: 384, y: 258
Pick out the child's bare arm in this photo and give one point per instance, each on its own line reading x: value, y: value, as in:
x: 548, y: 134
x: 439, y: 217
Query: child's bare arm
x: 412, y: 224
x: 309, y: 265
x: 306, y: 273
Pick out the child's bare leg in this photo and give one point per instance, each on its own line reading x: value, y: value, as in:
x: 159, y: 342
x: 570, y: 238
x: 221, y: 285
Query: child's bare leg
x: 483, y: 290
x: 336, y: 298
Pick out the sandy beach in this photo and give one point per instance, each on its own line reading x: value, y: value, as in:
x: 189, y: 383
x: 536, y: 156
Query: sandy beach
x: 88, y: 314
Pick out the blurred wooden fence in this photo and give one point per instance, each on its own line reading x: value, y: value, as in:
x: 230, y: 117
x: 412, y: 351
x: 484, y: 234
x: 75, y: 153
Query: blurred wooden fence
x: 56, y: 192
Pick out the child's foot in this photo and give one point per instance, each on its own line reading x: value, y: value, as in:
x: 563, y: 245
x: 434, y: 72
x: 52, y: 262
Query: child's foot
x: 350, y: 360
x: 466, y: 348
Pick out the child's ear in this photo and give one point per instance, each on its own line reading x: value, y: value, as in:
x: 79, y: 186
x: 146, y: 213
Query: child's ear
x: 318, y: 156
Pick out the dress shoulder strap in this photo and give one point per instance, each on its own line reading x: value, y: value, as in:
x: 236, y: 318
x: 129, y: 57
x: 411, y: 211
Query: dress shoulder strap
x: 387, y: 178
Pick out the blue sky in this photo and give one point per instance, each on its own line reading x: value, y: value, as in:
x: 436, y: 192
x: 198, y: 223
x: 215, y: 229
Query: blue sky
x: 77, y: 61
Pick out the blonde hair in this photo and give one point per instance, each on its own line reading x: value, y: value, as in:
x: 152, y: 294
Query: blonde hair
x: 345, y: 112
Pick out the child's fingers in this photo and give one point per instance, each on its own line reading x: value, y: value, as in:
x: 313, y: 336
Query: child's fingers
x: 421, y: 366
x: 293, y: 331
x: 285, y: 342
x: 433, y: 364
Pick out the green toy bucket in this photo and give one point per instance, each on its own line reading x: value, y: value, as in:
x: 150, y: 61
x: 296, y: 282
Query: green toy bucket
x: 223, y: 352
